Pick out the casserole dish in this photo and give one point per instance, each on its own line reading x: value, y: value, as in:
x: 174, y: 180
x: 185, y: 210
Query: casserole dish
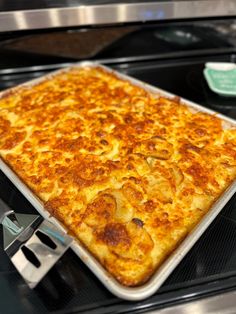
x: 155, y: 150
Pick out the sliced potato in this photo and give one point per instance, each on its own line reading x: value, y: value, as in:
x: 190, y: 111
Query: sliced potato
x: 159, y: 188
x: 139, y: 163
x: 177, y: 174
x: 155, y: 147
x: 132, y: 193
x: 124, y: 211
x: 134, y: 241
x: 101, y: 210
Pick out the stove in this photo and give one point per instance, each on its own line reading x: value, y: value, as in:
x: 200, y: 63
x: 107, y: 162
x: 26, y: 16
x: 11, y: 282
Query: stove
x: 209, y: 268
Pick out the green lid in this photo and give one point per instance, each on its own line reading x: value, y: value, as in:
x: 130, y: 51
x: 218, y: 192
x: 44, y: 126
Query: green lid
x: 222, y: 82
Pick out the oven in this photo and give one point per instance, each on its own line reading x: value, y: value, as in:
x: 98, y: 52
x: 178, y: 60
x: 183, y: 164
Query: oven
x: 166, y: 44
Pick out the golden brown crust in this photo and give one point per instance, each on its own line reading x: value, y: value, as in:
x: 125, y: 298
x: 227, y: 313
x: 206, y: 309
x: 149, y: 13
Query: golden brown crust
x: 128, y: 172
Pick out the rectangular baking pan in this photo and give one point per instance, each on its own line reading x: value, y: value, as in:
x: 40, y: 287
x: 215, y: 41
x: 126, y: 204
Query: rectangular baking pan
x: 149, y: 288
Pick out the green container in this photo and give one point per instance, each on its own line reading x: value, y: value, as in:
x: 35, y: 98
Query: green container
x: 222, y: 82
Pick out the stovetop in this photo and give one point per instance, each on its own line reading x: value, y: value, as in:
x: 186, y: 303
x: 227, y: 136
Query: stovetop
x: 209, y: 268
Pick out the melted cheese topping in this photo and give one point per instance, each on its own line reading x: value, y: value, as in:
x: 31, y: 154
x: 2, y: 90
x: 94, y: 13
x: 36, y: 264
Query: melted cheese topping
x: 128, y: 172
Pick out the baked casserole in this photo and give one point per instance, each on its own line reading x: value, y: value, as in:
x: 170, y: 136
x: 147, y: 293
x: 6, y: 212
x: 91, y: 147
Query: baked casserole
x: 127, y: 171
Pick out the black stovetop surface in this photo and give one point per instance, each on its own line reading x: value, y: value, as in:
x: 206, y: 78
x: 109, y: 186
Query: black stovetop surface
x: 209, y: 268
